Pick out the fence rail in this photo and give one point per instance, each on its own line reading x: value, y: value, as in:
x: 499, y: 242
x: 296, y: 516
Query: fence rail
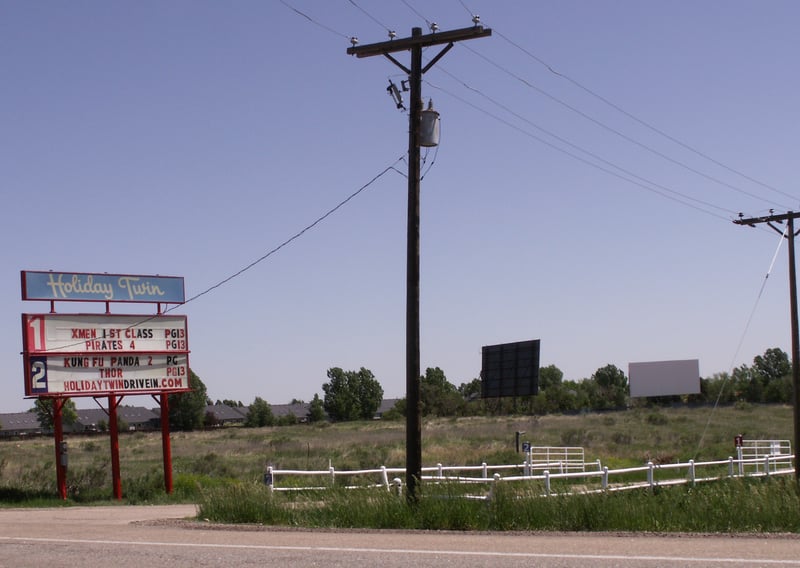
x: 593, y: 478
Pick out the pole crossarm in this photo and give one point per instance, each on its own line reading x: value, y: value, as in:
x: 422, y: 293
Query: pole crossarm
x: 753, y: 221
x: 769, y: 220
x: 405, y: 44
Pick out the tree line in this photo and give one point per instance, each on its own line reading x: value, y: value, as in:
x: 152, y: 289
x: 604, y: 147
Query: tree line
x: 357, y: 395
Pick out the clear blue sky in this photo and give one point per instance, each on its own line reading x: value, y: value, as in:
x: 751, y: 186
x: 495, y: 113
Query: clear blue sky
x: 190, y: 138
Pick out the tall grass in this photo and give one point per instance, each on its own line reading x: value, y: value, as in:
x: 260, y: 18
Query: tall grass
x: 230, y: 457
x: 735, y: 505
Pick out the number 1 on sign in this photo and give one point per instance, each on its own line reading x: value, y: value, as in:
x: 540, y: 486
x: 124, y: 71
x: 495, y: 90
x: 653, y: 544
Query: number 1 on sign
x: 36, y: 333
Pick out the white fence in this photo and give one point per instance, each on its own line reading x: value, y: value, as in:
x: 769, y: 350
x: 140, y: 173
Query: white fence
x: 758, y: 449
x: 590, y: 477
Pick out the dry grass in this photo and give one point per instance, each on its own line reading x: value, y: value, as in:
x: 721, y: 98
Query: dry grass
x: 618, y: 439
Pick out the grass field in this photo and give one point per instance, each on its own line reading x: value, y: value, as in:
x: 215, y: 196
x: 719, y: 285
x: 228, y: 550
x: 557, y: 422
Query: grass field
x: 222, y: 469
x: 618, y: 439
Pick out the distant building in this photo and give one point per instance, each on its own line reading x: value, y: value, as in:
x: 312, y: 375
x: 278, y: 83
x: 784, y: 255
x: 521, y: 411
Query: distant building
x: 386, y: 405
x: 133, y: 417
x: 227, y: 415
x: 145, y: 419
x: 299, y: 410
x: 20, y: 424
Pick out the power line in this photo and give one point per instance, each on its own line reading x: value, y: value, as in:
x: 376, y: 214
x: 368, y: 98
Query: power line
x: 619, y: 109
x: 641, y: 121
x: 595, y: 156
x: 665, y: 191
x: 315, y: 22
x: 599, y: 123
x: 410, y: 7
x: 373, y: 18
x: 470, y: 12
x: 619, y: 133
x: 296, y: 235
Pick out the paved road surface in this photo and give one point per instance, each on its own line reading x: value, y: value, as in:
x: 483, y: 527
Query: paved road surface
x: 149, y: 537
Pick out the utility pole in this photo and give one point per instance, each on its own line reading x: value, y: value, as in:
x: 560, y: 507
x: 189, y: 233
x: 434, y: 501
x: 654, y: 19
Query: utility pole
x: 789, y: 217
x: 415, y: 44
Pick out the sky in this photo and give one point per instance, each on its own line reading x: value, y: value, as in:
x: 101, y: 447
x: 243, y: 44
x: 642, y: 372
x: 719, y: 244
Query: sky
x: 593, y: 155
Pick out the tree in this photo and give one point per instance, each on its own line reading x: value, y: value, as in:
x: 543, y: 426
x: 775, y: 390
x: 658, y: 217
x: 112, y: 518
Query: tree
x: 743, y: 387
x: 439, y: 397
x: 612, y: 388
x: 774, y: 372
x: 351, y: 395
x: 187, y: 410
x: 210, y: 420
x: 259, y: 414
x: 43, y: 408
x: 471, y: 390
x: 397, y: 412
x: 316, y: 410
x: 550, y: 376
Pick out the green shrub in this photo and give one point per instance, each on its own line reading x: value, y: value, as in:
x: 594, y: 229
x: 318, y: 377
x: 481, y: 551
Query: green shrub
x: 657, y: 419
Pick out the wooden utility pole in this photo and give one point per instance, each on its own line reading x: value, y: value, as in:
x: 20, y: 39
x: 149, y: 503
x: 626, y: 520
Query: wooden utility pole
x: 415, y: 44
x: 770, y: 220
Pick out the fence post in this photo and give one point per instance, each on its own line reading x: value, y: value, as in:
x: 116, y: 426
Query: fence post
x: 691, y: 472
x: 730, y: 466
x: 605, y: 477
x: 485, y: 470
x: 398, y: 484
x: 439, y: 467
x: 739, y: 453
x: 599, y: 466
x: 269, y: 479
x: 385, y: 477
x: 495, y: 480
x: 766, y: 465
x: 333, y: 475
x: 547, y: 481
x: 650, y: 476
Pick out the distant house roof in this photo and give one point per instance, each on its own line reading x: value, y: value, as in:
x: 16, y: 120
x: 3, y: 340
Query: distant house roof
x: 227, y: 414
x: 19, y: 423
x: 386, y: 405
x: 299, y: 410
x: 137, y: 417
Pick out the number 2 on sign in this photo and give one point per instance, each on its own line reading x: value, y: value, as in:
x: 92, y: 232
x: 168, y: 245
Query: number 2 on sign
x: 38, y: 375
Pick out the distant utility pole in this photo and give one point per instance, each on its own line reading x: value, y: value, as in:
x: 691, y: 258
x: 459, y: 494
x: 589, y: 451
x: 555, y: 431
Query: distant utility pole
x: 415, y: 44
x: 789, y: 217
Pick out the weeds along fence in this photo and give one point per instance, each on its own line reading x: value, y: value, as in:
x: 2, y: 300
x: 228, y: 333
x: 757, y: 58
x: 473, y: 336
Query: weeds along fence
x: 550, y: 478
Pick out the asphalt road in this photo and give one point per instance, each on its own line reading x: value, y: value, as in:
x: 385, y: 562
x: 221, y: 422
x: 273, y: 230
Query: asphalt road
x: 148, y: 537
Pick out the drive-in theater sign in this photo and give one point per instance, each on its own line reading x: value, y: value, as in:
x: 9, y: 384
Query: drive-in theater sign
x: 104, y: 355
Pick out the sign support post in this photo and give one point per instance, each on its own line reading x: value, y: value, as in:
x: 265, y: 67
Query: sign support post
x: 61, y: 456
x: 166, y: 447
x: 113, y: 428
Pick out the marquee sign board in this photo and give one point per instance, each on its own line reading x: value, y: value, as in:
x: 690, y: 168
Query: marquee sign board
x: 103, y: 333
x: 89, y: 287
x: 99, y: 354
x: 103, y: 374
